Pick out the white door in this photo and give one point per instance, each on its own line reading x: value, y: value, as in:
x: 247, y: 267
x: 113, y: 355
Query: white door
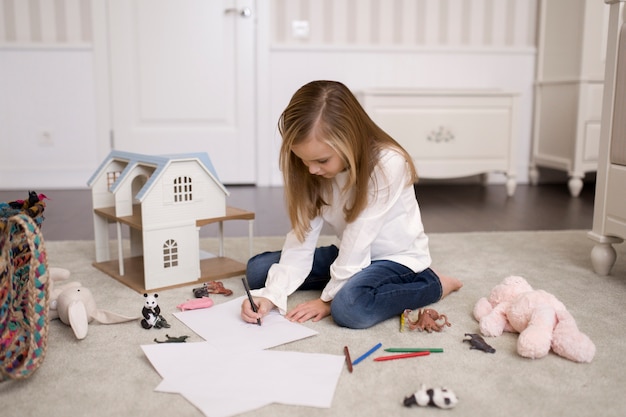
x: 182, y: 80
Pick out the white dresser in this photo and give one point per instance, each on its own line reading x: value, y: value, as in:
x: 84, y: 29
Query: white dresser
x: 571, y: 51
x: 609, y: 212
x: 450, y: 133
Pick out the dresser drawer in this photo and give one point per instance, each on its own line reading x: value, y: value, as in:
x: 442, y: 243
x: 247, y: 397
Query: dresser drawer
x: 593, y: 104
x: 453, y: 132
x: 448, y: 133
x: 592, y: 142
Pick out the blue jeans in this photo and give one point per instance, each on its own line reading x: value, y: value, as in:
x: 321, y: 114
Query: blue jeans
x: 381, y: 291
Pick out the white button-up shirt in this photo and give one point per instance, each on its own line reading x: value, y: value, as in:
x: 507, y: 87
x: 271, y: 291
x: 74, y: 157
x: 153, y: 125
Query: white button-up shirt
x: 390, y: 228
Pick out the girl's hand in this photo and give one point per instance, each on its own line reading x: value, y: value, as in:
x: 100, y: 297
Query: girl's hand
x: 315, y: 310
x: 264, y: 306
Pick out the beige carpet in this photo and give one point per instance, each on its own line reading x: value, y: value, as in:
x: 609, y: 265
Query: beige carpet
x: 106, y: 374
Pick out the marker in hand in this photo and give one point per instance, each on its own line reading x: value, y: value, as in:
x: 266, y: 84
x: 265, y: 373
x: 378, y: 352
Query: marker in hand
x: 254, y: 307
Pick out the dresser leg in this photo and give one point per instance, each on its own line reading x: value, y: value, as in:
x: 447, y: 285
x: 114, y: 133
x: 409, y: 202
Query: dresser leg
x: 603, y: 257
x: 511, y: 185
x: 533, y: 175
x: 575, y: 185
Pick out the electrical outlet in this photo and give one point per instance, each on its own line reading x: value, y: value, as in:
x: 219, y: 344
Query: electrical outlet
x: 45, y: 138
x: 300, y: 29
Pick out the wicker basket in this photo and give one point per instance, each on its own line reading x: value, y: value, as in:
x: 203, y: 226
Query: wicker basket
x: 24, y: 294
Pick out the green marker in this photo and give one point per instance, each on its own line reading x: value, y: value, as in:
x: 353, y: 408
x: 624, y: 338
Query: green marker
x: 408, y: 350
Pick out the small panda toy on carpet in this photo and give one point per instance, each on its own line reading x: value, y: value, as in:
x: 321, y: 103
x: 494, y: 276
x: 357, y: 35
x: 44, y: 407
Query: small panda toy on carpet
x: 436, y: 397
x: 151, y: 313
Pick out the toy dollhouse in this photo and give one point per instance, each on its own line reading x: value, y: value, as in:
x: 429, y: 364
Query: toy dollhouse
x: 164, y: 201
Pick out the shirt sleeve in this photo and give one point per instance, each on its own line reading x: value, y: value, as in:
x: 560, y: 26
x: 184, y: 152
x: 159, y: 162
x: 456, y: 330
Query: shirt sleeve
x: 389, y: 180
x: 296, y: 261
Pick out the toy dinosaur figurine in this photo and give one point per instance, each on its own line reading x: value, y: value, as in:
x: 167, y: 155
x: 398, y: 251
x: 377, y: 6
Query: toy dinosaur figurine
x: 178, y: 339
x: 423, y: 319
x: 477, y: 342
x: 213, y: 287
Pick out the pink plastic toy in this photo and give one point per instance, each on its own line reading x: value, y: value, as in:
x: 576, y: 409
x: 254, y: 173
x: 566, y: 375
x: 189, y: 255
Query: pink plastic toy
x: 204, y: 302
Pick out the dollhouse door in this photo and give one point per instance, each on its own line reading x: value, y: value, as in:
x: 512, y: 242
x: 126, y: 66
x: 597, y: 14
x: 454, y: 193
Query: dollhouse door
x: 182, y: 80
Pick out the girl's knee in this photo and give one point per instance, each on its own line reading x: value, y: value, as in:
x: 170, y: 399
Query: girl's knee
x: 351, y: 321
x: 257, y: 268
x: 254, y: 263
x: 348, y: 315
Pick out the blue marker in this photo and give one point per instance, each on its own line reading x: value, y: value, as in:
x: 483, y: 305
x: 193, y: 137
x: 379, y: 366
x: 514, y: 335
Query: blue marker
x: 366, y: 354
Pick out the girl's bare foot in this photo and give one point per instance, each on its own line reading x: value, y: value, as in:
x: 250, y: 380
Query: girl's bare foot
x: 449, y: 284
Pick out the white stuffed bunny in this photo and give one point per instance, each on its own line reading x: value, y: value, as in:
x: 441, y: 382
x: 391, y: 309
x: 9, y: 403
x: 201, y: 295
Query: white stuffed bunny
x: 75, y: 306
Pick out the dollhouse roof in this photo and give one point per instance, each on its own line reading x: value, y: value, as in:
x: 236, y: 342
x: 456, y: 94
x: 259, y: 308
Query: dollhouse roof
x: 160, y: 163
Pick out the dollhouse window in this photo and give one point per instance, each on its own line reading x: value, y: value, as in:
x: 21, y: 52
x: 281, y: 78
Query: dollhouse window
x: 170, y: 254
x: 182, y: 189
x: 111, y: 178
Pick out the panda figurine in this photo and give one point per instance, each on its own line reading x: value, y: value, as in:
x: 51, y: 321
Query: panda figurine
x: 151, y: 313
x: 436, y: 397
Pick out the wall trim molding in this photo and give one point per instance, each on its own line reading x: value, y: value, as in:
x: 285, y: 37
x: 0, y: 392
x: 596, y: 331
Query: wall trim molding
x: 347, y: 48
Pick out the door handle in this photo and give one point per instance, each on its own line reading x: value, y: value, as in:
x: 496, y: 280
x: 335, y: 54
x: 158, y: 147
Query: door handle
x: 245, y: 12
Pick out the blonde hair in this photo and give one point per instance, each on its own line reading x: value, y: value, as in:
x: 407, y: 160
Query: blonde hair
x: 329, y: 109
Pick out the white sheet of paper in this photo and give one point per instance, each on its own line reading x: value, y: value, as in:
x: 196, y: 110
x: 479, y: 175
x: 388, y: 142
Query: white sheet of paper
x: 222, y: 327
x: 296, y: 378
x: 172, y: 359
x: 218, y: 376
x: 223, y: 408
x: 299, y: 379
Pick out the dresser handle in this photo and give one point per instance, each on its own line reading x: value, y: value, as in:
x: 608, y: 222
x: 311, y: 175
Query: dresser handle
x: 440, y: 135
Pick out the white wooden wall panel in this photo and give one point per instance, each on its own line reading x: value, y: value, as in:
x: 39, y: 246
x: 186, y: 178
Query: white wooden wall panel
x: 454, y: 24
x: 431, y: 22
x: 474, y: 14
x: 407, y: 23
x: 418, y: 41
x: 524, y: 30
x: 48, y: 24
x: 45, y: 22
x: 47, y: 84
x: 408, y: 26
x: 73, y: 20
x: 499, y: 23
x: 21, y: 29
x: 459, y: 44
x: 316, y: 12
x: 383, y: 24
x: 361, y: 21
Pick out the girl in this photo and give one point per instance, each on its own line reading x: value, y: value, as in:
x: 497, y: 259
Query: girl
x: 340, y: 168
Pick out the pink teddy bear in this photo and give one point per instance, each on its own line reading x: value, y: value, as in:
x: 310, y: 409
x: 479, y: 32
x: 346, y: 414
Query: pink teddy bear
x: 542, y: 321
